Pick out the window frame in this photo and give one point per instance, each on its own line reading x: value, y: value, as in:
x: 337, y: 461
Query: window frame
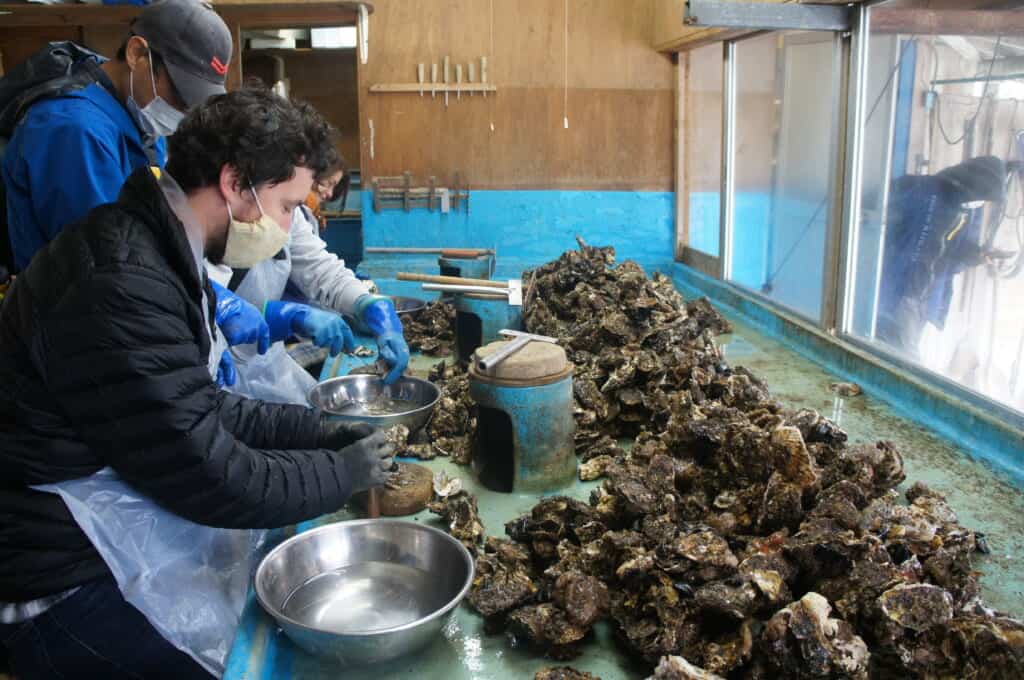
x: 847, y: 155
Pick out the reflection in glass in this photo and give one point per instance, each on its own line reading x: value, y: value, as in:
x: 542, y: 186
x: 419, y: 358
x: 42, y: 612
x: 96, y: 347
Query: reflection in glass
x: 704, y: 164
x: 785, y: 132
x: 940, y: 244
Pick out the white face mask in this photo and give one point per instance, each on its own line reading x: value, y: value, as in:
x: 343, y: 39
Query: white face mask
x: 158, y: 118
x: 252, y: 242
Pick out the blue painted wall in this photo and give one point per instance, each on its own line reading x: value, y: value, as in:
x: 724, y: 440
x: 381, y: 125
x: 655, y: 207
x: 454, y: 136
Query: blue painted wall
x: 705, y: 216
x: 788, y: 245
x: 527, y: 228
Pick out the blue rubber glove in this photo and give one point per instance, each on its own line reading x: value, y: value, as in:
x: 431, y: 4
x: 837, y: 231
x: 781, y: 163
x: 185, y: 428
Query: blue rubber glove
x: 325, y: 329
x: 378, y: 313
x: 241, y: 322
x: 226, y: 370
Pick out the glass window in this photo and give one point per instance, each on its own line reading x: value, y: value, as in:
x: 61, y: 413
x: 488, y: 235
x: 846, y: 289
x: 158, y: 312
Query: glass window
x: 939, y: 249
x: 785, y: 135
x: 704, y: 146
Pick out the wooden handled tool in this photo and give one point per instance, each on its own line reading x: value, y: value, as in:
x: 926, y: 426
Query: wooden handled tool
x: 373, y: 504
x: 451, y: 280
x: 462, y: 253
x: 446, y: 81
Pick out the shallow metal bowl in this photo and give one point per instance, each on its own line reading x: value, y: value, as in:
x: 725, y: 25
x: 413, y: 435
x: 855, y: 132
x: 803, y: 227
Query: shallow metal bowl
x: 357, y: 399
x: 365, y: 591
x: 407, y: 305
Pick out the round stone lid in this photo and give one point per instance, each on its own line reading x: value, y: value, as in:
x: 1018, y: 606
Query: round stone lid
x: 535, y: 360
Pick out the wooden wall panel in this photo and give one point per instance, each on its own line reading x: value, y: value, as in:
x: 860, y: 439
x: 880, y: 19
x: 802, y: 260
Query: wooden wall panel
x: 620, y: 98
x: 18, y: 44
x: 105, y: 39
x: 324, y: 78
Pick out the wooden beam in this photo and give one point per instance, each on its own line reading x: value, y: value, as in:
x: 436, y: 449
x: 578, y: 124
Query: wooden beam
x: 427, y: 87
x: 288, y: 16
x: 690, y: 37
x: 235, y: 78
x: 946, y: 22
x: 255, y: 13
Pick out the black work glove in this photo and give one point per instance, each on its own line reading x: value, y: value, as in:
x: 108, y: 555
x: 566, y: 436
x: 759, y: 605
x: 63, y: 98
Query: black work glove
x: 368, y: 462
x: 337, y: 434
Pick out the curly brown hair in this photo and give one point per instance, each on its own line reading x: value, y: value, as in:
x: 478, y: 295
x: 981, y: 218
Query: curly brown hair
x: 260, y: 134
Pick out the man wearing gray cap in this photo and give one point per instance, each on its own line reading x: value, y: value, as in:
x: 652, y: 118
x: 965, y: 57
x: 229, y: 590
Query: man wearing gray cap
x: 73, y: 152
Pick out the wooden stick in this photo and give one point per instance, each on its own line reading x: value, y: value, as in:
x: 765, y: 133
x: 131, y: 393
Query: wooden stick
x: 373, y: 503
x: 384, y: 88
x: 462, y: 253
x: 450, y: 280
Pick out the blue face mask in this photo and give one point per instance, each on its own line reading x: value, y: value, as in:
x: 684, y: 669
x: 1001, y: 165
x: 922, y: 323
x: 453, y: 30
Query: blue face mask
x: 158, y: 118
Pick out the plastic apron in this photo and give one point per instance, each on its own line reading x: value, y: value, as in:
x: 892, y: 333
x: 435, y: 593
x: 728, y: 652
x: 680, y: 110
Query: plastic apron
x: 273, y: 376
x: 190, y: 581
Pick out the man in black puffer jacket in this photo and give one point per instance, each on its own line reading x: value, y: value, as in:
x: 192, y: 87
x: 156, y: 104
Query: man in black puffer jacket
x: 105, y: 345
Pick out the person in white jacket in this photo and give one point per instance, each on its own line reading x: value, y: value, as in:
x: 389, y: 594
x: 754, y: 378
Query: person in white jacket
x: 329, y: 285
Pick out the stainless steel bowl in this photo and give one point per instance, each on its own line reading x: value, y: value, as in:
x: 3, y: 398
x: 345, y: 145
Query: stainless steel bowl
x: 366, y: 399
x: 407, y: 305
x: 365, y: 591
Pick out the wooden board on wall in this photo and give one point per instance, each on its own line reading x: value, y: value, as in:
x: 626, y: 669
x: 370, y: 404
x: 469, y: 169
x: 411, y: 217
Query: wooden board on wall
x: 18, y: 44
x: 620, y: 95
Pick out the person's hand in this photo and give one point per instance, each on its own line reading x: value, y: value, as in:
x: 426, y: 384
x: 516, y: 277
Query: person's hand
x: 226, y: 370
x: 325, y: 329
x: 337, y: 434
x: 395, y: 352
x: 240, y: 322
x: 368, y: 462
x: 378, y: 313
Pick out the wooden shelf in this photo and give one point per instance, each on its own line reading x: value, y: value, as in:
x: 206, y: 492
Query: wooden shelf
x: 427, y: 88
x: 249, y: 13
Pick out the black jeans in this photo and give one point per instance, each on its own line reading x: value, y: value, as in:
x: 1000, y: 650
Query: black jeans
x: 94, y: 633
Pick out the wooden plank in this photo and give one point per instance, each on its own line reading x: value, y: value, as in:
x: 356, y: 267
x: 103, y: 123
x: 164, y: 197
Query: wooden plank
x: 702, y: 262
x: 250, y: 12
x: 21, y: 43
x: 620, y: 99
x: 106, y: 40
x: 384, y: 88
x: 947, y: 22
x: 288, y: 16
x: 617, y: 139
x: 234, y: 78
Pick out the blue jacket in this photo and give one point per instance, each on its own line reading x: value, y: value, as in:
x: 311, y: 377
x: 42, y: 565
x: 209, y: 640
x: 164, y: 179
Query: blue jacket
x: 67, y: 156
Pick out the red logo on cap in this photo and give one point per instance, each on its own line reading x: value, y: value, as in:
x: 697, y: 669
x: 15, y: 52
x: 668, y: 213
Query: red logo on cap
x: 219, y: 66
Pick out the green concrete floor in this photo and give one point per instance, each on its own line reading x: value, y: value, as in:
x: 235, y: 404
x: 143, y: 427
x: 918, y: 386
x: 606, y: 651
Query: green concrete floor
x: 982, y: 500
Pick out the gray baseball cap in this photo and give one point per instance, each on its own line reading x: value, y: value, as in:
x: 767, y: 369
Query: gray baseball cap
x: 194, y: 42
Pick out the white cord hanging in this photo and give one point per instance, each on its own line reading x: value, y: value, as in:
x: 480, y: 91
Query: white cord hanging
x: 491, y: 56
x: 565, y: 87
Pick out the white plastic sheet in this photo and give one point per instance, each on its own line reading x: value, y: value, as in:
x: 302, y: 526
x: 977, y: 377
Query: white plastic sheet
x: 190, y: 581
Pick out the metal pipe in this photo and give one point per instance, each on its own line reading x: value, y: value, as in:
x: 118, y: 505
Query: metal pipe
x: 486, y: 364
x: 727, y: 199
x: 981, y: 79
x: 851, y: 222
